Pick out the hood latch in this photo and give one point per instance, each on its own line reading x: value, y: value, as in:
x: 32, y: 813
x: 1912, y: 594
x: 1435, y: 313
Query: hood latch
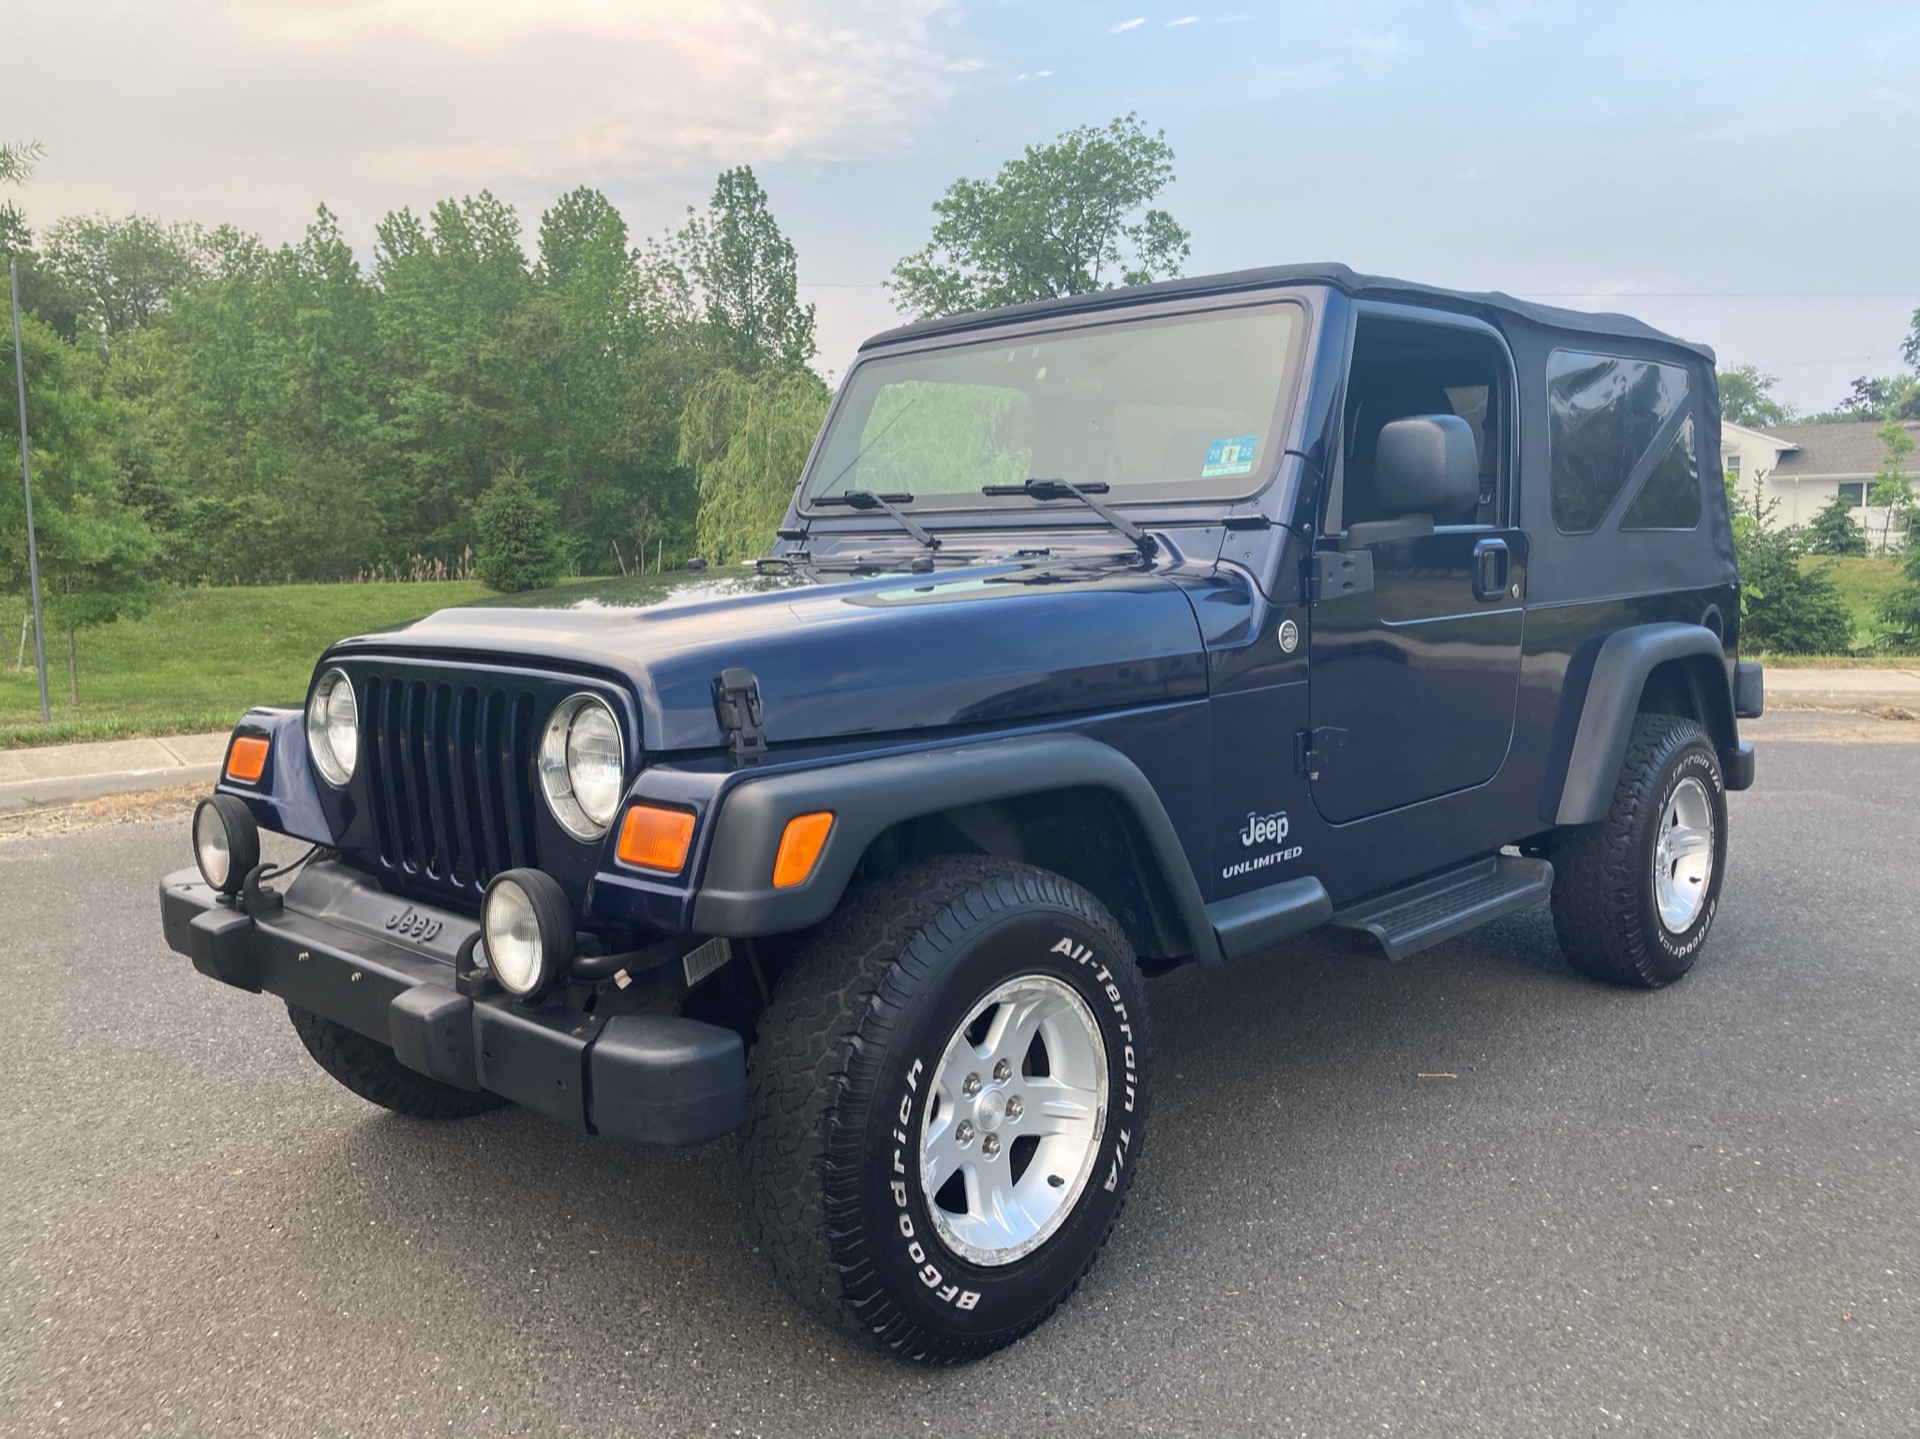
x: 736, y: 700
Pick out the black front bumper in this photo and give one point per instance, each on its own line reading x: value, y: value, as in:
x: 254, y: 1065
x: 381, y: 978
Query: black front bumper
x: 332, y: 949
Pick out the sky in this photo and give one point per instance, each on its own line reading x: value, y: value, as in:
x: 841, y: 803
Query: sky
x: 1741, y: 174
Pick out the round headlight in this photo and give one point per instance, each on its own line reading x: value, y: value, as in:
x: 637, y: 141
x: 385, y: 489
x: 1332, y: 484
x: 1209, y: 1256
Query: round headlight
x: 226, y: 842
x: 582, y: 765
x: 528, y: 927
x: 333, y: 727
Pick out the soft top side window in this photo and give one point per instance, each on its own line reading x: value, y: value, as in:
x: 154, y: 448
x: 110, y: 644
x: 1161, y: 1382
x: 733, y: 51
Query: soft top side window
x: 1604, y: 413
x: 1670, y: 498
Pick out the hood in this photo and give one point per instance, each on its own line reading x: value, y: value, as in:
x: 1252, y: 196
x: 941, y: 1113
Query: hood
x: 837, y: 657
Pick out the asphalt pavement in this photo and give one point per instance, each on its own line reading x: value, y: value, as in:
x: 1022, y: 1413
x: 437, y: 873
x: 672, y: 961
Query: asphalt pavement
x: 1466, y: 1195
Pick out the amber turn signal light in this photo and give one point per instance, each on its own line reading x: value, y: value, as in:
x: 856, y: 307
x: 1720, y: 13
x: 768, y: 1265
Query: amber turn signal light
x: 800, y: 846
x: 654, y: 838
x: 247, y: 758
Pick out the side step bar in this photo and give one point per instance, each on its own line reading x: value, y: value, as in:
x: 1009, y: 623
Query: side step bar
x: 1435, y: 909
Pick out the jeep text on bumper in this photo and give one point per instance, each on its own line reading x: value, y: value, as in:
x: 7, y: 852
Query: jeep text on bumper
x: 330, y: 948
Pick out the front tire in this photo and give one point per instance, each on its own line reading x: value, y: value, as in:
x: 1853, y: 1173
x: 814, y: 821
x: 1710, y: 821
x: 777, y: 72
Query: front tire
x: 372, y: 1071
x: 948, y: 1101
x: 1634, y: 895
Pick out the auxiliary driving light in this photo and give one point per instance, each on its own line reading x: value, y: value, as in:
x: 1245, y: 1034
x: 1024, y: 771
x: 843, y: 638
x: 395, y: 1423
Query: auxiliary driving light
x: 226, y: 842
x: 528, y: 927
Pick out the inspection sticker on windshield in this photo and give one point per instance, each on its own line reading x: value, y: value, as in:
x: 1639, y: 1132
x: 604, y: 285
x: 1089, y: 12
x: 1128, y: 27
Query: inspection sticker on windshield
x: 1229, y: 457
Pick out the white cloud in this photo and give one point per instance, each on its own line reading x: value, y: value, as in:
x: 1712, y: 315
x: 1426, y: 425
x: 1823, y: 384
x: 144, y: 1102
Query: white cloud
x: 232, y: 108
x: 1135, y: 23
x: 1034, y: 75
x: 1491, y: 19
x: 1378, y: 44
x: 1183, y: 20
x: 1898, y: 99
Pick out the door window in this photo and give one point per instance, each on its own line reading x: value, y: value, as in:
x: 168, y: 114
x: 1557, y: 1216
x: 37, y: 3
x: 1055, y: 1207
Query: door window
x: 1401, y: 369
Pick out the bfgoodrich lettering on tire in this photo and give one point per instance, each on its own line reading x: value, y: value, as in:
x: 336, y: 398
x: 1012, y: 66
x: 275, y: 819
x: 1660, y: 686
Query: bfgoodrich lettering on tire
x: 1634, y: 895
x: 949, y: 1096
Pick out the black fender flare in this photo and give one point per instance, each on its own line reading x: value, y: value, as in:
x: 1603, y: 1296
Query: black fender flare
x: 1596, y: 718
x: 736, y: 897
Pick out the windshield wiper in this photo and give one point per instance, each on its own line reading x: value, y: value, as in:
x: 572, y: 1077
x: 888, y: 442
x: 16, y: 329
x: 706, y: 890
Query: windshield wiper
x: 1061, y: 490
x: 868, y: 500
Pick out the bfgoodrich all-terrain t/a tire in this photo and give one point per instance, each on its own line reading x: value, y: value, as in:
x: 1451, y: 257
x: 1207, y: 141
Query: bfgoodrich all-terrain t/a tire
x: 372, y: 1071
x: 1634, y: 895
x: 948, y: 1100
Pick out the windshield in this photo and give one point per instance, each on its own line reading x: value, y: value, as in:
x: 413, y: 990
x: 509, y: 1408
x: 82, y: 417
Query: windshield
x: 1168, y: 408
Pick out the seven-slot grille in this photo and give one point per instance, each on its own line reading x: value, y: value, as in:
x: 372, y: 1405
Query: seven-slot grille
x: 450, y: 777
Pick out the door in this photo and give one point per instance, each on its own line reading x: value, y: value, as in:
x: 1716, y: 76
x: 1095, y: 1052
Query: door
x: 1417, y: 620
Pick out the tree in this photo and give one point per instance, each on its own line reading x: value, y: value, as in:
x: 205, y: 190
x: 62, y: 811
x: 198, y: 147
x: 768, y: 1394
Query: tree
x: 514, y: 529
x: 1888, y: 397
x: 93, y: 548
x: 1063, y: 219
x: 730, y: 276
x: 746, y: 440
x: 255, y: 438
x: 1834, y: 530
x: 17, y: 161
x: 453, y: 292
x: 1892, y: 492
x: 1900, y: 610
x: 1910, y: 347
x: 123, y: 271
x: 606, y: 388
x: 1746, y: 397
x: 16, y: 168
x: 1783, y: 609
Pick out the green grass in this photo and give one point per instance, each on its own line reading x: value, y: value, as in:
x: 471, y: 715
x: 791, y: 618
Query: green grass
x: 198, y: 660
x: 1863, y: 581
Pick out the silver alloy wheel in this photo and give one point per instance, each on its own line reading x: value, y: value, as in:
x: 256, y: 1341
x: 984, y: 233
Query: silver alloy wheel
x: 1683, y: 855
x: 1018, y: 1111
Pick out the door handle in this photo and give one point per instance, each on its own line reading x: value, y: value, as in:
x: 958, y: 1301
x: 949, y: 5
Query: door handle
x: 1490, y: 568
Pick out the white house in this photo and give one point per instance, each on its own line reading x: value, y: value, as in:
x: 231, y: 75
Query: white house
x: 1803, y: 466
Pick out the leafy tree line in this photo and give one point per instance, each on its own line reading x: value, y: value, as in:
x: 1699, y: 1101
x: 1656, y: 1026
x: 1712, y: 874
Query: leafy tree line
x: 206, y: 408
x: 285, y: 413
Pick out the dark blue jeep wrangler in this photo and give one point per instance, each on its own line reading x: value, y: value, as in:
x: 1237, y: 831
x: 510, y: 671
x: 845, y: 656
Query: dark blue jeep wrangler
x: 1102, y: 635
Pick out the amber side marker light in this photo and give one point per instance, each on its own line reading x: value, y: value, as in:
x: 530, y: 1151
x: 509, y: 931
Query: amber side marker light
x: 800, y: 846
x: 654, y: 838
x: 247, y: 758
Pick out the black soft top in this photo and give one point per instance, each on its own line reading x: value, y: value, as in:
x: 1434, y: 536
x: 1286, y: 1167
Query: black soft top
x: 1340, y: 277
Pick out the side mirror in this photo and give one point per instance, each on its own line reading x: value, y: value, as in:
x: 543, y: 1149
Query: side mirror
x: 1427, y: 466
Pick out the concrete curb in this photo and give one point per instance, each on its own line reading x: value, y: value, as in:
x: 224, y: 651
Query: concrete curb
x: 68, y: 773
x: 1844, y: 689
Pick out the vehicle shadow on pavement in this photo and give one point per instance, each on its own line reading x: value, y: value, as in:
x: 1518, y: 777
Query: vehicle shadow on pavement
x: 609, y: 1255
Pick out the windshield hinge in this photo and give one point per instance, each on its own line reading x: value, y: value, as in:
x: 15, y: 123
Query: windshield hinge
x: 736, y: 700
x: 1313, y: 747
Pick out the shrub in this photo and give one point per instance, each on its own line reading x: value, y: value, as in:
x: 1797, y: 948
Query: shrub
x: 1900, y: 611
x: 514, y: 546
x: 1784, y: 611
x: 1834, y: 530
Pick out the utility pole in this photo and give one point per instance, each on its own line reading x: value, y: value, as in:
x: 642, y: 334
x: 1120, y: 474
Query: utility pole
x: 26, y: 478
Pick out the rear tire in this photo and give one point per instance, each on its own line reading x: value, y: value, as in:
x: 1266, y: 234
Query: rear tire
x: 1634, y: 895
x: 372, y: 1071
x: 947, y: 1105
